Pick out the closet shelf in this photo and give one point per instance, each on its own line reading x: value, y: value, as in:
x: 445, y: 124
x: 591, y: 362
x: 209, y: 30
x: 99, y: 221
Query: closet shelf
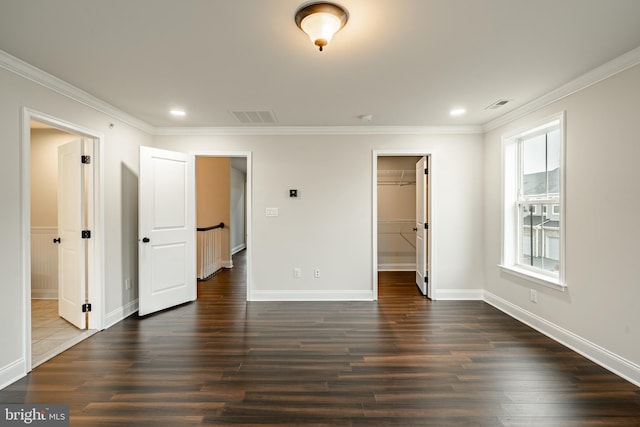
x: 397, y: 177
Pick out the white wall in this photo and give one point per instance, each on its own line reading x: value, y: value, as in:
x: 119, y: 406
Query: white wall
x: 237, y: 226
x: 599, y: 310
x: 120, y: 197
x: 329, y: 226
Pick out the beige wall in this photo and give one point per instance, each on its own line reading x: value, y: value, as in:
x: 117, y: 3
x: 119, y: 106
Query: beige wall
x: 395, y: 201
x: 44, y: 175
x: 44, y: 209
x: 213, y: 187
x: 396, y: 239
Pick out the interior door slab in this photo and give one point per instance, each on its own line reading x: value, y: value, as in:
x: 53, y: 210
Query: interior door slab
x: 167, y: 242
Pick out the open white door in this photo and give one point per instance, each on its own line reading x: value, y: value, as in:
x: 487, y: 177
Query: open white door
x: 167, y: 227
x: 71, y: 250
x: 422, y: 227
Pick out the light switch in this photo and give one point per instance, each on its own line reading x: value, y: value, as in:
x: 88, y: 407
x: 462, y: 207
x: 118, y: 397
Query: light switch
x: 271, y: 211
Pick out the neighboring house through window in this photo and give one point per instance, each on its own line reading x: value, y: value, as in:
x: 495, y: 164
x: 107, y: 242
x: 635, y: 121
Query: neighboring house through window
x: 533, y: 220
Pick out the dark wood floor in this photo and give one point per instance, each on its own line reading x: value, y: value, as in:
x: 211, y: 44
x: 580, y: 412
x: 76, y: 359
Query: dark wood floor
x: 403, y: 360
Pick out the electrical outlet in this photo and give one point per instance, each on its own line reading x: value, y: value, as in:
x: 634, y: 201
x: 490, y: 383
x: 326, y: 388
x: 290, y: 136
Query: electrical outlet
x: 297, y: 273
x: 127, y: 284
x: 316, y: 273
x: 533, y: 295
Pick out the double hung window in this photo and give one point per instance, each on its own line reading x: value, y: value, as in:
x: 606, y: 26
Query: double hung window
x: 533, y: 193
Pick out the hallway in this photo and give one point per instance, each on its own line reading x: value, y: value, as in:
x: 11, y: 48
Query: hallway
x: 403, y: 360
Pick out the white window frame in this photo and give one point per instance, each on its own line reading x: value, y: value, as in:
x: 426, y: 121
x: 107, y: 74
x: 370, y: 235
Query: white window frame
x: 510, y: 179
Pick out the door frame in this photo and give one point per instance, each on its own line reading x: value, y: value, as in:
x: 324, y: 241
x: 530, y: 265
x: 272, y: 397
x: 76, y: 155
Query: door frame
x: 248, y: 205
x: 95, y: 246
x: 431, y: 258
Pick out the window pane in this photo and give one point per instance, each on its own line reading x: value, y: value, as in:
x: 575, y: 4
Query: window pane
x: 527, y: 222
x: 553, y: 248
x: 540, y: 164
x: 539, y: 237
x: 534, y: 166
x: 553, y: 161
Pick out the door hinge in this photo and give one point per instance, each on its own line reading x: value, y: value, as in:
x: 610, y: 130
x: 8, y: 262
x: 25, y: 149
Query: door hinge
x: 426, y: 279
x: 85, y: 160
x: 426, y: 225
x: 86, y: 234
x: 426, y: 171
x: 86, y: 308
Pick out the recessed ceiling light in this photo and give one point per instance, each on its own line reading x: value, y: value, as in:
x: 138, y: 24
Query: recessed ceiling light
x: 178, y: 113
x: 457, y: 112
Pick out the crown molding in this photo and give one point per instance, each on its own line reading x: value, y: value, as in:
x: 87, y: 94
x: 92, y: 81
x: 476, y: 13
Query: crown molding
x: 603, y: 72
x: 36, y: 75
x: 319, y: 130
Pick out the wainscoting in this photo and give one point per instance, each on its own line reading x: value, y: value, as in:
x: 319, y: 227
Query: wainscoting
x: 44, y: 263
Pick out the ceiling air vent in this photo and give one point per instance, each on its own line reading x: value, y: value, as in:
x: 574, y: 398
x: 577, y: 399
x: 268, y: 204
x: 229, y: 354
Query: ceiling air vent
x: 498, y: 104
x: 254, y: 117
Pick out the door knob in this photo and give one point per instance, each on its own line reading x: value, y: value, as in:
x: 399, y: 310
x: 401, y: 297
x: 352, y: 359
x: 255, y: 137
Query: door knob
x: 415, y: 228
x: 145, y: 240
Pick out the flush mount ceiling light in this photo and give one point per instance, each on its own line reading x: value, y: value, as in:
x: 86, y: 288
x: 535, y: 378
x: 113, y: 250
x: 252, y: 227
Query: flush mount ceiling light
x: 177, y: 113
x: 320, y: 21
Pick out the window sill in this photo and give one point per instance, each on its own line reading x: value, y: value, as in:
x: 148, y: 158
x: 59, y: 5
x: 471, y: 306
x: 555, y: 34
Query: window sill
x: 541, y: 279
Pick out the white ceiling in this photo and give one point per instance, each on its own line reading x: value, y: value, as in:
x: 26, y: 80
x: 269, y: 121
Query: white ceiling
x: 406, y: 62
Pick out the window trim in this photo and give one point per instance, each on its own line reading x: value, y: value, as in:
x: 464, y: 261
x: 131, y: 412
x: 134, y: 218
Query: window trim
x: 510, y: 185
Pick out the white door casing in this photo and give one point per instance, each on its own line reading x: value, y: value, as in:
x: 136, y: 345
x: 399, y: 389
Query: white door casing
x: 167, y: 230
x: 71, y: 248
x: 421, y: 226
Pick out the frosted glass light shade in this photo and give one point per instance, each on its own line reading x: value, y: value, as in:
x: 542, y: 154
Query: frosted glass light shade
x: 320, y: 27
x: 320, y: 21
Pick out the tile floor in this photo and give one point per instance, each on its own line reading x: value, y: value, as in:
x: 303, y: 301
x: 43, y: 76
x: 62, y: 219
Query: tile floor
x: 51, y: 334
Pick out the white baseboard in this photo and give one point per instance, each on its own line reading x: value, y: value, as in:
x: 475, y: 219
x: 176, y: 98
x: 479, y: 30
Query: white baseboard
x: 12, y: 372
x: 603, y: 357
x: 227, y: 264
x: 397, y: 267
x: 238, y: 248
x: 44, y: 294
x: 327, y: 295
x: 121, y: 313
x: 458, y: 294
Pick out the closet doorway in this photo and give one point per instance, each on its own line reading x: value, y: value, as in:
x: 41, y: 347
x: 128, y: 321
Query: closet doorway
x: 401, y: 218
